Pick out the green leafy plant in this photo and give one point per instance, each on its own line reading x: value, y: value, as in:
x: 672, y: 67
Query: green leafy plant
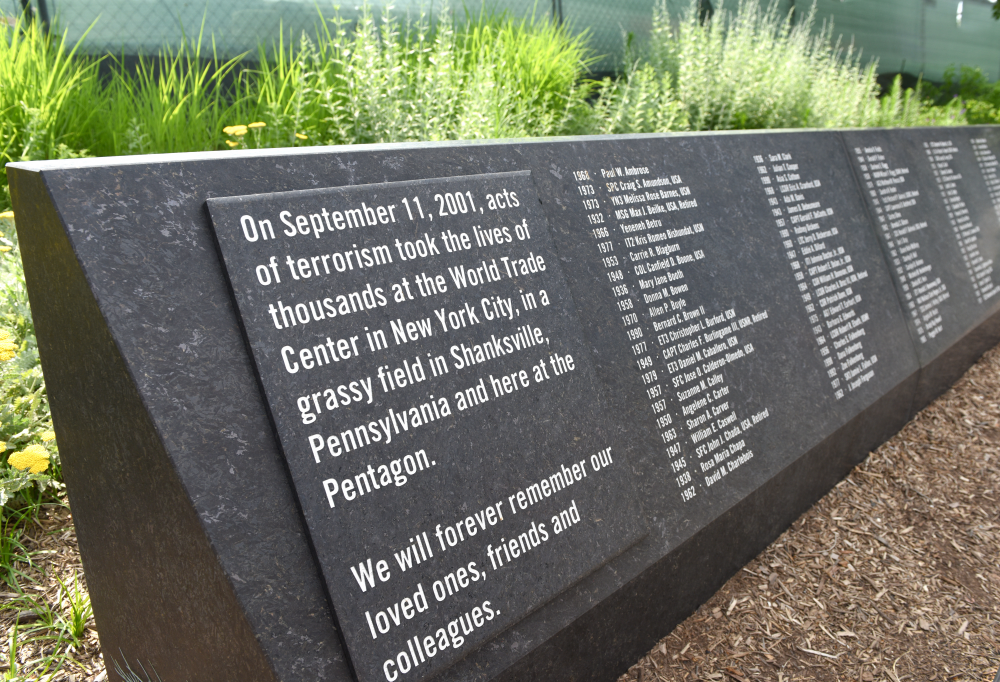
x: 44, y: 98
x: 26, y: 435
x: 74, y: 624
x: 908, y: 107
x: 968, y: 88
x: 386, y: 80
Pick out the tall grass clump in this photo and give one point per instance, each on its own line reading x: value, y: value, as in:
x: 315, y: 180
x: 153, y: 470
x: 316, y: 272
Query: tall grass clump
x: 44, y: 90
x: 175, y: 102
x: 390, y: 80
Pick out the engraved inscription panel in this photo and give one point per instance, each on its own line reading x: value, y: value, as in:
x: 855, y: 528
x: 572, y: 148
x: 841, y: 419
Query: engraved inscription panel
x: 438, y: 411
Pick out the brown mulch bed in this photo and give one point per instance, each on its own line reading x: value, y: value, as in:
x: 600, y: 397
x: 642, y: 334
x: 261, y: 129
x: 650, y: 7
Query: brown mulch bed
x: 893, y: 576
x: 40, y: 653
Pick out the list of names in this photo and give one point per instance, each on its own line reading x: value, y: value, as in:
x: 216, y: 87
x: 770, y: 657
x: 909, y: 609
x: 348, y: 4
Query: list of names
x: 647, y: 235
x: 823, y: 269
x: 894, y: 196
x: 941, y: 154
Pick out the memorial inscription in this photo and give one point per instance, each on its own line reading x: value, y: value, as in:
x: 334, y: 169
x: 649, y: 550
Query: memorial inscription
x: 420, y: 355
x: 894, y: 195
x: 682, y: 256
x: 990, y: 168
x: 941, y: 154
x: 823, y: 269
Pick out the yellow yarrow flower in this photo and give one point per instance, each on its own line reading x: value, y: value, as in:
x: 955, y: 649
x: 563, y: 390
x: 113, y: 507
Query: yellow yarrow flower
x: 34, y: 459
x: 3, y: 446
x: 257, y: 124
x: 235, y: 130
x: 4, y: 249
x: 7, y: 214
x: 301, y: 136
x: 8, y: 349
x: 48, y: 435
x: 232, y: 143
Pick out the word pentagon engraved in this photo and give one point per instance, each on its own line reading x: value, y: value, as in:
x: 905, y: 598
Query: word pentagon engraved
x: 423, y: 367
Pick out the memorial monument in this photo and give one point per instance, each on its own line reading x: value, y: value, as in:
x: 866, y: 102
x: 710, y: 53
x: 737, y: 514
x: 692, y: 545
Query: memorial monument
x: 482, y: 411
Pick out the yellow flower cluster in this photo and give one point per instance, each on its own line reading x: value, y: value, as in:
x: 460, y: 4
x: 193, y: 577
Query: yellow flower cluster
x: 241, y: 130
x: 48, y: 435
x: 33, y: 459
x: 8, y: 349
x: 9, y: 215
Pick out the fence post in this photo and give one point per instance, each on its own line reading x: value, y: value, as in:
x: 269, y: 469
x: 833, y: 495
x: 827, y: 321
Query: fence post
x: 43, y: 13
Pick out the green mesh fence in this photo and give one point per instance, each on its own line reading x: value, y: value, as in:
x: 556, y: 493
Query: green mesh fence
x: 914, y: 36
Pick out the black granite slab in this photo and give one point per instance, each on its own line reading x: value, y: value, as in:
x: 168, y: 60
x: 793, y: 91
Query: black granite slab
x: 740, y: 345
x: 934, y: 195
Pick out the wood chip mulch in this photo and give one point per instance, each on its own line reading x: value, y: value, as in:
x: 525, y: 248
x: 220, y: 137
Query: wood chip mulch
x: 40, y: 653
x: 894, y: 575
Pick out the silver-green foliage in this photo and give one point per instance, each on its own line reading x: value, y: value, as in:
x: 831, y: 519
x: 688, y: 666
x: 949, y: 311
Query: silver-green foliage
x: 752, y: 67
x: 642, y: 101
x: 755, y: 68
x: 387, y: 80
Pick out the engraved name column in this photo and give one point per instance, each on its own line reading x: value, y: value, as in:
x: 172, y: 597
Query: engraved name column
x: 648, y: 247
x: 989, y: 166
x: 941, y: 154
x: 823, y: 270
x: 894, y: 199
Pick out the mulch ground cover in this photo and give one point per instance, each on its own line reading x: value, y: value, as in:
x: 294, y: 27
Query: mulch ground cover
x: 894, y: 575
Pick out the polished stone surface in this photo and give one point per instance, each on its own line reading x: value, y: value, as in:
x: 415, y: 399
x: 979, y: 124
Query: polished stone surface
x: 738, y: 341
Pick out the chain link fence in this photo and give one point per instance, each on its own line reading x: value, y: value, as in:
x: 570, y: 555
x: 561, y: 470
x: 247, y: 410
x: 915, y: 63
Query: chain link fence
x: 913, y: 36
x: 133, y: 27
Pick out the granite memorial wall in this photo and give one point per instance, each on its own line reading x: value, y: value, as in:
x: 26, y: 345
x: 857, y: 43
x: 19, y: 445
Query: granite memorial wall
x: 482, y: 411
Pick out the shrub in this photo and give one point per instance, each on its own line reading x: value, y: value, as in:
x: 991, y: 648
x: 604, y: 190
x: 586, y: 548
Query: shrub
x: 752, y: 68
x: 970, y: 89
x: 392, y: 81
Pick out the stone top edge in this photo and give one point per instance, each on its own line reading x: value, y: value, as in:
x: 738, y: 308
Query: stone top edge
x: 183, y: 157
